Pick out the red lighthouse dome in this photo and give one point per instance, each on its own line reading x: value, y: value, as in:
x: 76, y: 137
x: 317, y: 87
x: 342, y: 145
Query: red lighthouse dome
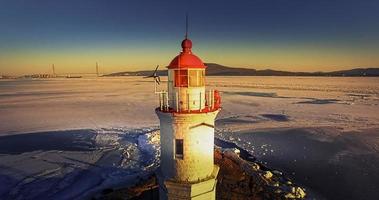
x: 186, y: 59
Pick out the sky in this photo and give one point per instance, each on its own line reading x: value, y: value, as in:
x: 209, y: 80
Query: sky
x: 123, y: 35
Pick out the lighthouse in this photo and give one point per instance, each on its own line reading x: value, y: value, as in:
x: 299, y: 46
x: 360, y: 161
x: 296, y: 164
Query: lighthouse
x: 187, y: 113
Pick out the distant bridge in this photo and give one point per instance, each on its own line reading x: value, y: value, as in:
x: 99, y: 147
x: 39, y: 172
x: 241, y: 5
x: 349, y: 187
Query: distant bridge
x: 67, y: 75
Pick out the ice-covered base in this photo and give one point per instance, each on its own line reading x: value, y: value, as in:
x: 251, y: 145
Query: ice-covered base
x: 75, y: 164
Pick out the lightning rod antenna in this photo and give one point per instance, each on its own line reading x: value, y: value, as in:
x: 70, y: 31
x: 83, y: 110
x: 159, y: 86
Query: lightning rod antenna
x: 186, y: 25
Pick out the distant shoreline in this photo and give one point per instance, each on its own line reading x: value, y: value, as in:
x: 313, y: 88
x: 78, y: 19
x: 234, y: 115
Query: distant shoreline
x: 214, y: 76
x: 220, y: 70
x: 214, y: 69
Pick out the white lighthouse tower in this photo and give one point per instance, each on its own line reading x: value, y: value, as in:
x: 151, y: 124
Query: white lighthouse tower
x: 187, y: 113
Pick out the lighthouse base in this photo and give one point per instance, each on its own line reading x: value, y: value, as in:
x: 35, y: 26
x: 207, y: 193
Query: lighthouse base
x: 202, y: 189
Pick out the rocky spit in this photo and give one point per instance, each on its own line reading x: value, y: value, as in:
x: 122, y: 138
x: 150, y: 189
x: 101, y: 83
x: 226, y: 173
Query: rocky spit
x: 238, y: 179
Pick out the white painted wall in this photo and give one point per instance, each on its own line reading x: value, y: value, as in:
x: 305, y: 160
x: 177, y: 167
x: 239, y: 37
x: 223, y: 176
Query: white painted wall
x: 198, y: 161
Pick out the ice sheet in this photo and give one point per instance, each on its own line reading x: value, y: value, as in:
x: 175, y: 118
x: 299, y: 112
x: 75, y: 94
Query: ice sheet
x: 318, y: 128
x: 75, y: 164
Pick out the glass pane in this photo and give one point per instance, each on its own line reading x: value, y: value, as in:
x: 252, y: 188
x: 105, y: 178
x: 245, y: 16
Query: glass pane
x: 202, y: 78
x: 181, y: 78
x: 193, y: 78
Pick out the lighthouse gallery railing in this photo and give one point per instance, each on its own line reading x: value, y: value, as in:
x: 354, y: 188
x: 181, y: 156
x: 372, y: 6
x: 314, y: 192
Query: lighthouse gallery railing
x: 212, y: 102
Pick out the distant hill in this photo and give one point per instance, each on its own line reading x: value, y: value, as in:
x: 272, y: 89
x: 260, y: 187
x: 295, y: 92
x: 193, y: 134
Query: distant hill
x: 214, y: 69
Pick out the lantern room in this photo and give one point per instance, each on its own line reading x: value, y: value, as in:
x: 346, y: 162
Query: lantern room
x: 186, y: 85
x: 186, y: 80
x: 188, y: 77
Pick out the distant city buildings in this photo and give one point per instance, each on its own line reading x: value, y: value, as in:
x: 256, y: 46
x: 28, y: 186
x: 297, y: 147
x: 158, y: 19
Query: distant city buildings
x: 7, y: 77
x: 40, y: 76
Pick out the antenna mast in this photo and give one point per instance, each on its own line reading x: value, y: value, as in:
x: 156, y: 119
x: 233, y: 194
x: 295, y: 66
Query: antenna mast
x: 53, y: 70
x: 186, y: 25
x: 97, y: 69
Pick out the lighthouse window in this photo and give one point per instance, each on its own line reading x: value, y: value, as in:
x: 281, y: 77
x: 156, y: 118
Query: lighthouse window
x: 181, y: 78
x: 196, y: 78
x: 202, y: 78
x: 179, y: 148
